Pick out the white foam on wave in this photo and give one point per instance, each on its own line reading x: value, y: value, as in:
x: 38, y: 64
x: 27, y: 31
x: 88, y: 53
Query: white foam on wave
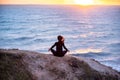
x: 87, y: 50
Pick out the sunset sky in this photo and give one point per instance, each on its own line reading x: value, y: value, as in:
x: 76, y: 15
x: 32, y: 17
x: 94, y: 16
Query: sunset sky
x: 78, y: 2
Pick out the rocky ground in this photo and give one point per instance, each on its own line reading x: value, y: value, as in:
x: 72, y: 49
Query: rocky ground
x: 28, y: 65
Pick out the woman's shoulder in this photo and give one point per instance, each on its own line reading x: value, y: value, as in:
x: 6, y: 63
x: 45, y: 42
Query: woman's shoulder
x: 56, y: 42
x: 59, y: 43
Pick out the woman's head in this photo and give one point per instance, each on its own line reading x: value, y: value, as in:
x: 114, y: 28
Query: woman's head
x: 60, y: 38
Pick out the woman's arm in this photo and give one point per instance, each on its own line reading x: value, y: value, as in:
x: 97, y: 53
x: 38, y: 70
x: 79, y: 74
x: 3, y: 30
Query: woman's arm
x: 52, y: 47
x: 65, y: 47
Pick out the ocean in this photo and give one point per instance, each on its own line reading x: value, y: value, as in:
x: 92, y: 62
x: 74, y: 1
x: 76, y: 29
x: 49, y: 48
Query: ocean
x: 89, y: 31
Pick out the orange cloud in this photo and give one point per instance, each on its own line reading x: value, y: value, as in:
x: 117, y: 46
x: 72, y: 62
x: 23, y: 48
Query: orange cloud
x: 55, y: 2
x: 32, y: 2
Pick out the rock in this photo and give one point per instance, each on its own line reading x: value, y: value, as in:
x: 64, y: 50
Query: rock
x: 37, y: 66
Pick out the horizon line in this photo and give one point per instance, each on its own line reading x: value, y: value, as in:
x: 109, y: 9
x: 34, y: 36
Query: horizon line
x: 68, y: 4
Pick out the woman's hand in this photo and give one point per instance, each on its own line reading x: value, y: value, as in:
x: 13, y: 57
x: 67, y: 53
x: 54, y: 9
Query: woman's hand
x: 49, y: 49
x: 68, y: 51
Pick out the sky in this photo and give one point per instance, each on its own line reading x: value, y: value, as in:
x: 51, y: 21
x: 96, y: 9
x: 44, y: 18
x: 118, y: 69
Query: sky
x: 80, y: 2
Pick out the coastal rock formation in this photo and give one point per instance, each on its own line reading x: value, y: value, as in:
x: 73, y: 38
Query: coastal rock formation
x: 28, y: 65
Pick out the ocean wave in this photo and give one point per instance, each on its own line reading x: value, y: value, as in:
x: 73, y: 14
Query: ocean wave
x: 92, y: 54
x: 115, y: 44
x: 116, y: 48
x: 39, y: 40
x: 23, y: 38
x: 88, y: 50
x: 2, y: 22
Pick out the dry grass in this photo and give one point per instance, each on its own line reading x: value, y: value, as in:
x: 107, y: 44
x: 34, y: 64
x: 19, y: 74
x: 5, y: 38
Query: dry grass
x: 12, y: 68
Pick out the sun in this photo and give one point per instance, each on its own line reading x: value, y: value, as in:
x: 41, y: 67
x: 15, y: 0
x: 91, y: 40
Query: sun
x: 84, y: 2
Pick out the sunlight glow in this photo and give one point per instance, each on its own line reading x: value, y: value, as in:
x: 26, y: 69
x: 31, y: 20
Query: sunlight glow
x: 84, y: 2
x: 63, y: 2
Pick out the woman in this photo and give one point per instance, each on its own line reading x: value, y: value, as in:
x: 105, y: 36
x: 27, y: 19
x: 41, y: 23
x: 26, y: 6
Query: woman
x: 59, y: 47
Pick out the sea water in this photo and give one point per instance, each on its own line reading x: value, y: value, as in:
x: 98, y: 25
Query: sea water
x: 89, y: 31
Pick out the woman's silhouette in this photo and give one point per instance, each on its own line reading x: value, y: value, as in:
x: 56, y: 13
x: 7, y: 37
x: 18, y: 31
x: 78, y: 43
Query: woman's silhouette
x: 59, y: 47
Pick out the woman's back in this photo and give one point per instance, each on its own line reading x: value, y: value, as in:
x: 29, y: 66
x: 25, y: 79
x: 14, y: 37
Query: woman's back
x: 59, y: 46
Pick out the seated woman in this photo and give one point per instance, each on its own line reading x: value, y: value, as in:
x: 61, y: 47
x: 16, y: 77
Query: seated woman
x: 59, y: 47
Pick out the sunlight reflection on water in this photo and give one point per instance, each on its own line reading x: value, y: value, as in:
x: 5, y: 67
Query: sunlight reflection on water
x: 87, y: 50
